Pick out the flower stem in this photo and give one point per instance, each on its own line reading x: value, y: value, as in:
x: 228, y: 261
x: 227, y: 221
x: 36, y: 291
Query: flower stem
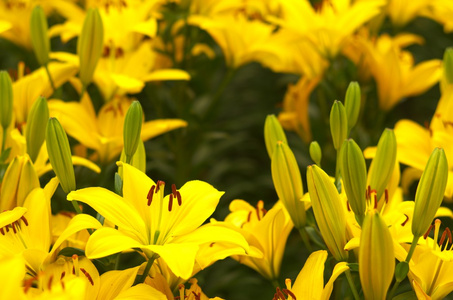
x: 352, y: 285
x: 305, y: 239
x: 149, y: 263
x: 52, y: 83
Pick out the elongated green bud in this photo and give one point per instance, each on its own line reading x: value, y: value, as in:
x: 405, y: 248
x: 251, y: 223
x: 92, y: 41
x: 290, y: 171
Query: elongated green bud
x: 353, y: 171
x: 338, y: 124
x: 60, y: 155
x: 288, y: 183
x: 376, y: 257
x: 273, y: 132
x: 89, y: 45
x: 352, y: 103
x: 132, y: 129
x: 315, y: 153
x: 383, y: 163
x: 328, y: 212
x: 34, y: 133
x: 430, y: 192
x: 39, y: 38
x: 6, y: 99
x: 20, y: 179
x: 448, y: 65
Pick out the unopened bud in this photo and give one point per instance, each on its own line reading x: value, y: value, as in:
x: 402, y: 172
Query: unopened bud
x: 273, y: 132
x: 352, y: 103
x: 328, y: 211
x: 288, y: 183
x: 430, y: 192
x: 34, y: 133
x: 353, y: 171
x: 383, y: 163
x: 315, y: 153
x: 401, y: 270
x: 338, y: 124
x: 448, y: 65
x: 89, y: 45
x: 39, y: 38
x: 60, y: 155
x: 132, y: 129
x: 6, y: 99
x: 20, y: 179
x: 376, y: 257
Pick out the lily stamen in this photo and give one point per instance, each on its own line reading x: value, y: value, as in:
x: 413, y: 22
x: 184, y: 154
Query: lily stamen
x: 289, y: 293
x: 87, y: 275
x: 150, y: 194
x: 405, y: 222
x: 49, y: 283
x: 170, y: 202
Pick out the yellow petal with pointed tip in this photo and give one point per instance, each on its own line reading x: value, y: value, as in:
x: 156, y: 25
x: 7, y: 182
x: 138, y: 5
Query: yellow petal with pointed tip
x: 107, y: 241
x: 167, y: 74
x: 141, y: 292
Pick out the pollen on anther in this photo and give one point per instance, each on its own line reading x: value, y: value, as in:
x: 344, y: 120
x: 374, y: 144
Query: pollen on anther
x: 178, y: 196
x: 288, y: 292
x: 24, y: 220
x: 49, y: 284
x: 405, y: 221
x: 150, y: 195
x: 427, y: 232
x: 386, y: 196
x: 87, y: 275
x: 442, y: 239
x: 450, y: 240
x: 349, y: 207
x: 170, y: 202
x: 62, y: 275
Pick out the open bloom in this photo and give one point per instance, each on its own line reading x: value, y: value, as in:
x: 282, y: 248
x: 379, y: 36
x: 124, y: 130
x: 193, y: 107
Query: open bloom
x: 168, y: 226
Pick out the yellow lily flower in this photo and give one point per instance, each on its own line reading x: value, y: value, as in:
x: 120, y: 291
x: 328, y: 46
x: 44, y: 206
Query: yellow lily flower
x: 328, y: 27
x: 441, y: 11
x: 393, y: 68
x: 104, y: 132
x: 168, y: 227
x: 309, y: 283
x: 295, y: 107
x: 431, y: 265
x: 402, y: 12
x: 265, y: 231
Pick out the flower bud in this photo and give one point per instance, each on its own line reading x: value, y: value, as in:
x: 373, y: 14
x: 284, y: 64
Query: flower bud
x: 60, y: 155
x: 39, y: 38
x: 328, y: 212
x: 20, y: 179
x: 6, y: 99
x: 315, y: 153
x: 273, y: 132
x: 288, y: 183
x: 402, y: 268
x: 430, y: 192
x: 132, y: 129
x: 89, y: 45
x: 353, y: 171
x: 383, y: 163
x: 352, y: 103
x: 34, y: 135
x: 376, y: 257
x: 448, y: 65
x: 338, y: 124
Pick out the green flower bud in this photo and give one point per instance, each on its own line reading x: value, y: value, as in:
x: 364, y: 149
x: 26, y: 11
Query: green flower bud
x: 6, y: 99
x: 383, y: 163
x: 352, y: 103
x: 315, y: 153
x: 39, y: 38
x: 132, y: 129
x: 34, y: 135
x: 338, y: 124
x: 273, y: 132
x: 430, y: 192
x: 328, y: 211
x: 288, y: 183
x: 402, y: 268
x: 60, y: 155
x: 448, y: 65
x: 376, y: 257
x: 20, y: 179
x: 89, y: 45
x: 353, y: 171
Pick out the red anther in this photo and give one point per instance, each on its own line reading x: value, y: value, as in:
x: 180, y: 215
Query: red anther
x: 264, y: 211
x: 87, y: 275
x: 24, y: 220
x: 173, y: 189
x: 442, y: 239
x: 426, y: 124
x: 197, y: 296
x: 212, y: 244
x: 405, y: 221
x: 62, y: 275
x: 386, y: 196
x: 375, y: 201
x: 249, y: 216
x: 49, y: 284
x: 150, y: 194
x: 347, y: 205
x: 258, y: 213
x: 28, y: 283
x: 289, y: 293
x: 105, y: 51
x: 73, y: 270
x: 170, y: 202
x: 450, y: 240
x: 280, y: 294
x: 1, y: 231
x: 427, y: 232
x: 14, y: 227
x: 119, y: 52
x: 62, y: 285
x: 7, y: 228
x: 178, y: 196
